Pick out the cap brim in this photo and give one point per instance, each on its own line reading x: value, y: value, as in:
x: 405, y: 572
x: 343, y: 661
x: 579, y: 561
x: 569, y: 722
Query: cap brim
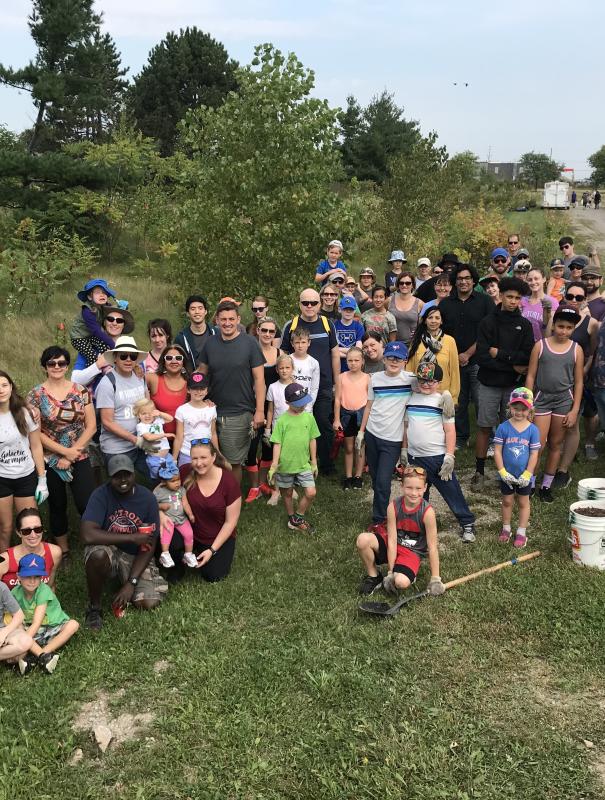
x: 524, y: 402
x: 301, y: 401
x: 29, y: 574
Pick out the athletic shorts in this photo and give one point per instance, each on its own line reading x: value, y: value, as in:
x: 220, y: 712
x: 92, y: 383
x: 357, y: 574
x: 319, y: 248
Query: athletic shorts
x: 151, y: 585
x: 48, y: 632
x: 19, y: 487
x: 234, y: 437
x: 492, y: 403
x: 523, y: 491
x: 556, y: 403
x: 286, y: 480
x: 407, y: 562
x: 351, y: 420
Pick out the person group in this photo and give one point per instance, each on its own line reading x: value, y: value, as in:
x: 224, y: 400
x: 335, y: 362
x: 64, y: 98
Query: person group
x: 155, y: 443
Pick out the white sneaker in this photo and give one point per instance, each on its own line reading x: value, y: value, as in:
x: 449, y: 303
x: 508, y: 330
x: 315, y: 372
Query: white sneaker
x: 190, y: 560
x: 166, y: 560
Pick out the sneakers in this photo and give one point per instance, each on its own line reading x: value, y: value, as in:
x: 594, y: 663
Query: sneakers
x: 94, y: 618
x: 504, y: 536
x: 347, y: 483
x: 467, y: 534
x: 388, y: 585
x: 253, y: 494
x: 477, y: 482
x: 27, y: 663
x: 265, y: 489
x: 591, y: 452
x: 298, y: 523
x: 545, y: 495
x: 561, y: 480
x: 357, y: 483
x: 370, y: 584
x: 520, y: 540
x: 48, y: 662
x: 166, y: 560
x: 189, y: 560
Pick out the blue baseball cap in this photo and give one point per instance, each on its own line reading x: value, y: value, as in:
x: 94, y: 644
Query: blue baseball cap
x: 31, y: 566
x: 88, y: 287
x: 296, y: 395
x: 168, y: 470
x: 396, y: 350
x: 499, y: 252
x: 347, y: 302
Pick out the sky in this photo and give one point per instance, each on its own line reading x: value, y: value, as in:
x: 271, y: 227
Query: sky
x: 533, y: 78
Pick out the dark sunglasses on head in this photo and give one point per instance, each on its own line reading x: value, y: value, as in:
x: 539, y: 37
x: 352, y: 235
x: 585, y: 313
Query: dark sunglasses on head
x: 258, y: 309
x: 178, y: 357
x: 309, y: 303
x: 578, y: 297
x: 34, y: 529
x: 521, y: 269
x: 266, y: 330
x: 56, y: 362
x: 111, y: 318
x: 205, y: 440
x: 127, y: 356
x: 499, y: 261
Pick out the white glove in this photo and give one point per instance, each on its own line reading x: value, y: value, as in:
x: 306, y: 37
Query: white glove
x: 267, y: 437
x: 507, y: 478
x: 41, y: 490
x: 359, y: 441
x: 436, y: 586
x: 524, y: 479
x: 403, y: 457
x: 447, y: 468
x: 447, y: 404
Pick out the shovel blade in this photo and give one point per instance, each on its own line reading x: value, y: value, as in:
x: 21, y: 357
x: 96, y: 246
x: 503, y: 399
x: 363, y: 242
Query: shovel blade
x: 382, y: 609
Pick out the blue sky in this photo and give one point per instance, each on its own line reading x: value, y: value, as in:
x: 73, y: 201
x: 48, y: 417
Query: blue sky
x: 534, y: 76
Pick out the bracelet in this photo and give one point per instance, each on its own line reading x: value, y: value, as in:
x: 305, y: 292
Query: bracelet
x: 212, y: 550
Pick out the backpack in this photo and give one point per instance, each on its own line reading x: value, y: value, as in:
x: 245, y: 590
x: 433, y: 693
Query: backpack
x: 296, y: 320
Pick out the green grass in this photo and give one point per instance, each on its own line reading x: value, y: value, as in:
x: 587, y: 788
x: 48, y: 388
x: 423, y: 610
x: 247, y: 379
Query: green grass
x: 276, y: 687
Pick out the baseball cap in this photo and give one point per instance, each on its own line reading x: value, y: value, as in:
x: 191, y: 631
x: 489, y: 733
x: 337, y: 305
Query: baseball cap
x: 296, y: 395
x: 335, y: 243
x: 119, y: 463
x: 396, y: 350
x: 31, y: 566
x: 423, y: 262
x: 522, y: 253
x: 197, y: 380
x: 429, y: 371
x: 522, y: 395
x: 522, y: 265
x: 397, y: 255
x: 489, y: 278
x: 347, y: 302
x: 499, y: 252
x: 556, y: 262
x: 567, y: 313
x: 367, y: 271
x: 578, y: 261
x: 591, y: 270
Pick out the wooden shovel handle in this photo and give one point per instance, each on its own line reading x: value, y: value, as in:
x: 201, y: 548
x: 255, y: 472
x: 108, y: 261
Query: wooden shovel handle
x: 510, y: 563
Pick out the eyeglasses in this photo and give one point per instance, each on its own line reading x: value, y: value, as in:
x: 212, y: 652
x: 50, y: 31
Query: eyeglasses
x: 427, y: 383
x: 565, y: 247
x: 34, y: 529
x: 267, y: 330
x: 56, y: 363
x: 499, y: 261
x: 178, y: 357
x: 464, y: 278
x: 111, y: 318
x: 409, y: 470
x: 127, y: 356
x: 309, y: 303
x: 578, y: 297
x: 258, y: 309
x: 195, y: 442
x: 404, y: 283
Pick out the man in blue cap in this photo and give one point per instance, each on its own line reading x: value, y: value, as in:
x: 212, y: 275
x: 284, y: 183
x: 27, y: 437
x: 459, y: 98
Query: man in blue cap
x: 500, y: 262
x: 349, y: 331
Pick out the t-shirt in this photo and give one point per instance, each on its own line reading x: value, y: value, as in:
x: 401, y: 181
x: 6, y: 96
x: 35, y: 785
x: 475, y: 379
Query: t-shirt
x: 121, y: 399
x: 597, y: 308
x: 390, y: 395
x: 534, y: 313
x: 62, y: 420
x: 424, y: 415
x: 277, y: 395
x: 307, y: 373
x: 381, y: 323
x: 390, y: 280
x: 165, y: 495
x: 43, y: 595
x: 15, y: 455
x: 192, y: 343
x: 197, y: 424
x: 230, y: 363
x: 325, y: 266
x: 322, y: 343
x: 123, y: 513
x: 210, y: 512
x: 516, y: 445
x: 8, y: 604
x: 348, y: 336
x: 294, y: 432
x: 155, y: 427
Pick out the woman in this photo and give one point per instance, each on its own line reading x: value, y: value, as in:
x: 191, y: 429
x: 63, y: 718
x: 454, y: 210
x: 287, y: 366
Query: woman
x: 67, y: 424
x: 22, y: 470
x: 367, y: 279
x: 257, y: 471
x: 443, y: 289
x: 30, y: 532
x: 215, y: 499
x: 405, y: 307
x: 115, y: 322
x: 373, y: 352
x: 329, y: 297
x: 538, y: 307
x: 160, y: 336
x: 168, y: 386
x: 431, y: 344
x: 260, y: 309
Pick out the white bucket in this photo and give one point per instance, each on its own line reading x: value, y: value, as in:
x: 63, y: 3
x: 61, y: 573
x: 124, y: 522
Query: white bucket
x: 587, y: 535
x: 591, y: 489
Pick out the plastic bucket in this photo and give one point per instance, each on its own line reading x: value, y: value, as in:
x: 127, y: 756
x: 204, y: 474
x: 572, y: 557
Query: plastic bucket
x: 591, y: 489
x: 587, y: 535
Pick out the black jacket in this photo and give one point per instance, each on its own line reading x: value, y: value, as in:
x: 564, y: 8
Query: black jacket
x: 513, y: 336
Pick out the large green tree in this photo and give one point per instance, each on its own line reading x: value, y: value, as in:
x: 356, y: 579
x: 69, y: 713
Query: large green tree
x: 597, y: 162
x: 184, y: 71
x: 535, y: 169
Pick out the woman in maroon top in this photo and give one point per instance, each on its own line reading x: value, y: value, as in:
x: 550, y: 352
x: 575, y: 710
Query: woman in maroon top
x: 30, y: 531
x: 215, y: 499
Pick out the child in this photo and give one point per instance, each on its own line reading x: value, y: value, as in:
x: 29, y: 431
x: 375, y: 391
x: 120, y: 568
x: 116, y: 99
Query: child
x: 516, y: 453
x: 14, y: 642
x: 411, y: 533
x: 382, y: 426
x: 195, y: 419
x: 430, y: 442
x: 295, y: 455
x: 349, y: 404
x: 86, y: 333
x: 556, y: 284
x: 306, y: 368
x: 276, y: 402
x: 378, y: 318
x: 48, y: 625
x: 395, y: 262
x: 172, y: 500
x: 150, y: 428
x: 555, y: 375
x: 349, y: 331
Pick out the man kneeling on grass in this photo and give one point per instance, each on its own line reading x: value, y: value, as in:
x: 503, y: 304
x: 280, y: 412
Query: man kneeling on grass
x: 120, y: 528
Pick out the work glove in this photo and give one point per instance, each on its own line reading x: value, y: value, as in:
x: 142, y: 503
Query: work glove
x: 436, y: 586
x: 359, y: 441
x: 388, y: 584
x: 41, y: 490
x: 271, y: 476
x: 403, y: 457
x: 524, y: 479
x: 267, y: 437
x: 447, y: 468
x: 447, y: 404
x: 314, y: 470
x: 507, y: 478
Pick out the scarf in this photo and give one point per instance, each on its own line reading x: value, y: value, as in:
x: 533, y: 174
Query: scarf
x: 433, y: 345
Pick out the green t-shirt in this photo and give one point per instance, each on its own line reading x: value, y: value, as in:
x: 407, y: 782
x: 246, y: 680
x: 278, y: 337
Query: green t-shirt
x: 294, y: 432
x: 43, y: 594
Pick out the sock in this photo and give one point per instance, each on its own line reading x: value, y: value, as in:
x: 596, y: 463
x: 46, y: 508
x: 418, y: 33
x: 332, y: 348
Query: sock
x: 506, y: 528
x: 547, y: 480
x: 521, y: 531
x: 480, y: 466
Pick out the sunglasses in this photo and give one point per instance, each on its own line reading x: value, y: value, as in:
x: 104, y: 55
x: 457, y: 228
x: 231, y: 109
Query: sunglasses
x: 258, y: 309
x: 309, y: 303
x: 178, y: 357
x: 127, y: 356
x: 513, y: 242
x: 521, y: 269
x: 35, y: 529
x: 329, y: 294
x: 414, y: 471
x: 56, y: 363
x: 267, y: 330
x: 195, y: 442
x: 404, y: 283
x: 565, y: 247
x: 111, y: 318
x: 499, y: 261
x: 578, y: 297
x: 337, y: 280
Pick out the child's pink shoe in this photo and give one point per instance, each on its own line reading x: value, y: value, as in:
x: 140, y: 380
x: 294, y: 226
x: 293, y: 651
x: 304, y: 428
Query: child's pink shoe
x: 504, y: 536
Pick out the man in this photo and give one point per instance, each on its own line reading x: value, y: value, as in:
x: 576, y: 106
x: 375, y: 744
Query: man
x: 324, y: 348
x: 234, y: 362
x: 597, y: 200
x: 504, y: 344
x: 513, y: 246
x: 194, y: 335
x: 592, y: 278
x: 567, y: 253
x: 116, y: 546
x: 500, y: 262
x: 462, y: 312
x: 423, y: 270
x: 447, y: 263
x: 575, y: 268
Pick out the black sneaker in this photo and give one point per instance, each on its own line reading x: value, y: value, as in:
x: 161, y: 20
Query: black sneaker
x: 48, y: 662
x: 561, y: 480
x: 27, y: 663
x: 357, y: 483
x: 347, y: 483
x: 94, y: 618
x: 545, y: 495
x: 370, y: 584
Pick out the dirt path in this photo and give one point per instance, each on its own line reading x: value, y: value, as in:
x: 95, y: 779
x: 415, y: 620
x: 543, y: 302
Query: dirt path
x: 590, y: 225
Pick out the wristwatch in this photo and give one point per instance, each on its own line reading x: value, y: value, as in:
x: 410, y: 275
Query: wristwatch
x: 133, y: 581
x: 212, y: 550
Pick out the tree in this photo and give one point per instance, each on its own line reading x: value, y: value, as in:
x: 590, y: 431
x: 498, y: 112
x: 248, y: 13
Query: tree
x: 255, y: 206
x: 536, y: 169
x: 597, y: 162
x: 184, y: 71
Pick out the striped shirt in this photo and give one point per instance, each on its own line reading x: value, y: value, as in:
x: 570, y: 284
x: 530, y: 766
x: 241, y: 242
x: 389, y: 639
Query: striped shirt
x: 424, y: 416
x: 389, y: 396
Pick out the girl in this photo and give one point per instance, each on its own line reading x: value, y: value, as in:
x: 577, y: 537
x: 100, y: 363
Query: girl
x: 443, y: 289
x: 555, y: 372
x: 411, y: 533
x: 349, y: 404
x: 378, y: 318
x: 260, y: 309
x: 405, y: 307
x: 160, y: 336
x: 430, y: 344
x: 329, y: 296
x: 516, y: 453
x: 276, y: 406
x: 172, y: 500
x: 538, y: 308
x: 194, y: 420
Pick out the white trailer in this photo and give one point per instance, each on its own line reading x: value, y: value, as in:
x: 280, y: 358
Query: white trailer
x: 556, y: 195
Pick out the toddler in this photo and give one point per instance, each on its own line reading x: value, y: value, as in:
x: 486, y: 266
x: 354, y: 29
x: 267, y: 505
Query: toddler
x: 150, y: 429
x: 172, y: 500
x: 195, y: 419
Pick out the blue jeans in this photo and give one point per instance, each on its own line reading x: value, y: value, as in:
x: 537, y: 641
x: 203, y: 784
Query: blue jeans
x: 449, y: 490
x: 382, y: 457
x: 469, y: 387
x: 138, y: 458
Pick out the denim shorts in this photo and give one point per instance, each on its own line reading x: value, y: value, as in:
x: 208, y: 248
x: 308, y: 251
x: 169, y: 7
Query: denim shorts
x: 351, y: 420
x: 286, y: 480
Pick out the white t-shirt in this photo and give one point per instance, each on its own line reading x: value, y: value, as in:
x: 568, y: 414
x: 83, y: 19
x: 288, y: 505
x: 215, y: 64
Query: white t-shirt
x: 425, y: 419
x: 306, y: 372
x: 389, y: 395
x: 15, y: 455
x: 276, y: 394
x: 157, y: 426
x: 121, y: 399
x: 197, y: 424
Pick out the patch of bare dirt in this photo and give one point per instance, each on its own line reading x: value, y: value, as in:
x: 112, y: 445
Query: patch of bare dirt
x: 99, y: 719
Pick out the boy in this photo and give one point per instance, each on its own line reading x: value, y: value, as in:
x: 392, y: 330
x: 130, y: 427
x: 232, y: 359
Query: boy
x: 14, y: 642
x: 306, y: 368
x: 48, y: 625
x: 430, y: 442
x: 295, y: 456
x: 378, y: 319
x: 349, y: 331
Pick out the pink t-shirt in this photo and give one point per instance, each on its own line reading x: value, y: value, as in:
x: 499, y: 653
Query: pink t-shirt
x: 535, y: 314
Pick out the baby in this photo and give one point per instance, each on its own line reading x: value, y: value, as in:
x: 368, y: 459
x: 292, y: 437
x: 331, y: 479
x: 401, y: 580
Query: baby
x: 172, y: 500
x: 150, y: 429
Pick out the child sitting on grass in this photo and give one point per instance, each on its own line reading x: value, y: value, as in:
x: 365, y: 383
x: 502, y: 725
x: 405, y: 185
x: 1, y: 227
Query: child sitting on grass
x: 150, y: 428
x: 411, y: 532
x: 172, y: 500
x: 14, y: 642
x: 295, y: 456
x: 48, y: 625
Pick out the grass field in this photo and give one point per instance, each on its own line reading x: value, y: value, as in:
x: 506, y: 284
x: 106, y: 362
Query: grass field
x: 270, y: 685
